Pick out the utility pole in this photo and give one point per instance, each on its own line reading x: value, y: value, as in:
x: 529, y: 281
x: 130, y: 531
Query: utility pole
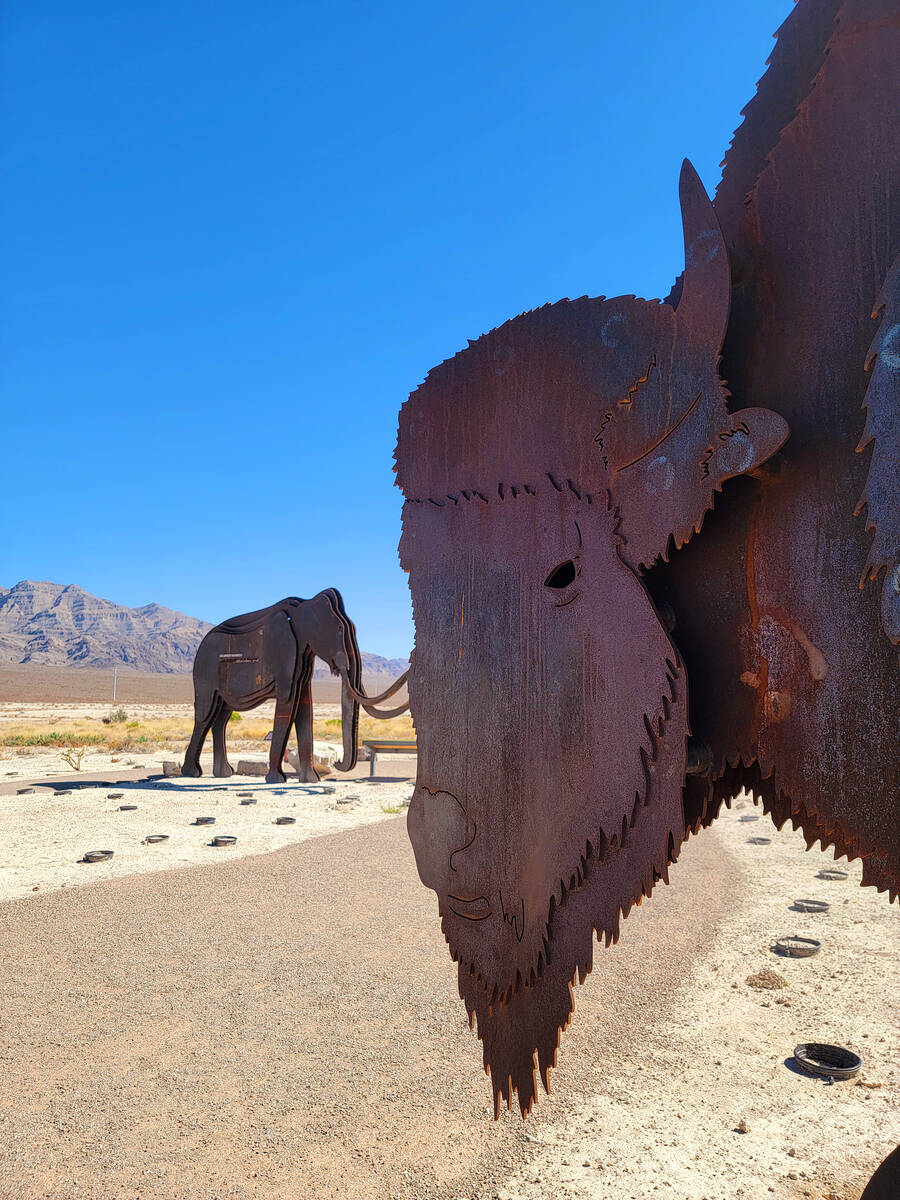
x: 115, y: 682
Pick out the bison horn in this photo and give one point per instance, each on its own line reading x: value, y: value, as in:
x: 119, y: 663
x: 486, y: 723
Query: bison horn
x: 706, y: 283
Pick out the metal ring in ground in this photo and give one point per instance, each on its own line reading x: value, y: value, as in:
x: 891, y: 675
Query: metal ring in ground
x: 285, y: 820
x: 127, y: 808
x: 760, y: 841
x: 749, y: 817
x: 797, y: 947
x: 832, y: 873
x: 812, y: 906
x: 827, y: 1061
x: 223, y: 839
x: 152, y: 838
x: 249, y: 800
x: 95, y: 856
x: 205, y: 821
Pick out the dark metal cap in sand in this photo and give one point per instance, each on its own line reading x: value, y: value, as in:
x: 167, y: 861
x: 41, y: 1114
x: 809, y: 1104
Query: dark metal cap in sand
x: 826, y: 1061
x: 224, y: 839
x: 114, y: 795
x: 749, y: 817
x: 127, y: 808
x: 205, y: 821
x: 285, y: 820
x: 152, y: 838
x: 249, y: 800
x: 833, y: 873
x: 760, y: 841
x: 95, y: 856
x: 812, y: 906
x: 797, y: 947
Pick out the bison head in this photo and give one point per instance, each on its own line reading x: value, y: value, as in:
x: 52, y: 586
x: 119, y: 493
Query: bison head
x: 543, y: 467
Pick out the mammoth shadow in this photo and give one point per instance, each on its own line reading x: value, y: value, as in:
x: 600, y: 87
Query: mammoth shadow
x: 270, y: 653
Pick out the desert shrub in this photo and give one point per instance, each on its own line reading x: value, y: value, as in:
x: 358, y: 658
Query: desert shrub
x: 73, y: 756
x: 118, y: 716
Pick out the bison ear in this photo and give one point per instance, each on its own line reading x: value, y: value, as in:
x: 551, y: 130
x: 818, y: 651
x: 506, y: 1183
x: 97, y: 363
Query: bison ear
x: 706, y: 283
x: 750, y: 438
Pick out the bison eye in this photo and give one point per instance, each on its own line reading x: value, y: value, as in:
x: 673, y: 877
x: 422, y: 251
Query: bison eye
x: 562, y: 576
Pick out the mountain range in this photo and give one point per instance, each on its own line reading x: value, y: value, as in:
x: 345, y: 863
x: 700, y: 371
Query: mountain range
x: 50, y: 624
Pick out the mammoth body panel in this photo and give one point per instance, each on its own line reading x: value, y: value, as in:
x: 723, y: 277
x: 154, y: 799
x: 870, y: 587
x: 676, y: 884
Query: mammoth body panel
x: 248, y: 668
x: 803, y: 679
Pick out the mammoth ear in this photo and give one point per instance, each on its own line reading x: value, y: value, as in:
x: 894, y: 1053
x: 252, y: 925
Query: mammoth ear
x: 706, y: 284
x: 751, y: 436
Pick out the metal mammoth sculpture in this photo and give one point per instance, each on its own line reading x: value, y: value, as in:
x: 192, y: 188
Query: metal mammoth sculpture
x: 271, y: 653
x: 569, y: 640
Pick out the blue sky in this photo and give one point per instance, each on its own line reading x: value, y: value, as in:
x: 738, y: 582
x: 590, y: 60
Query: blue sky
x: 237, y: 235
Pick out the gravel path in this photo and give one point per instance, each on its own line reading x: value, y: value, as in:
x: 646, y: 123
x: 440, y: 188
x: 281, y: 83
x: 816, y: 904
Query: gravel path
x: 286, y: 1025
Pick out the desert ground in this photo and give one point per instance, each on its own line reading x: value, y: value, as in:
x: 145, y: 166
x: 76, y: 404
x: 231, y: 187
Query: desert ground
x: 24, y: 682
x: 279, y: 1018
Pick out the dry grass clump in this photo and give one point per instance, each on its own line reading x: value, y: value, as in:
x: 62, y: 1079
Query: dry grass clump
x: 397, y: 729
x: 766, y: 980
x: 118, y: 735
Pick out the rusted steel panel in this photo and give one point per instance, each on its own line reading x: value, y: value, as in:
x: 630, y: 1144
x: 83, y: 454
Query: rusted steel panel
x: 790, y: 669
x: 542, y: 467
x: 554, y: 474
x: 270, y: 653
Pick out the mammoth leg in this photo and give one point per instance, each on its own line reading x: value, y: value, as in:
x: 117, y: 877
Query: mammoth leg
x: 205, y: 708
x: 303, y: 724
x: 222, y: 768
x: 284, y: 716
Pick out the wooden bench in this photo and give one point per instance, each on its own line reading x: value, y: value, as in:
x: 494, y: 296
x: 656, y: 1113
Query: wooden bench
x: 379, y: 747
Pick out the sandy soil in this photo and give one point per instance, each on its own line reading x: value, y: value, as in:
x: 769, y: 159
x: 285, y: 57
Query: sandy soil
x: 46, y: 830
x: 671, y: 1053
x: 45, y: 833
x: 26, y: 682
x: 666, y: 1119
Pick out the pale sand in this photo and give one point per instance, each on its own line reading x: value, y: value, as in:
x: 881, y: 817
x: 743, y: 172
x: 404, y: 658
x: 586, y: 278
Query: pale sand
x: 44, y: 835
x: 664, y: 1122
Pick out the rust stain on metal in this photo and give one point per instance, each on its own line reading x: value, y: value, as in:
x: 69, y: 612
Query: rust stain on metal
x: 558, y: 480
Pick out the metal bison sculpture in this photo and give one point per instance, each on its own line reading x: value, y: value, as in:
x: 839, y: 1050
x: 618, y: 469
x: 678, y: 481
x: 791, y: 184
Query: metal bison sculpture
x: 606, y: 649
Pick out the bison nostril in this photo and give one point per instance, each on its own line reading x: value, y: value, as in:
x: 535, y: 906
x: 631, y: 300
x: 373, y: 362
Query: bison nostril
x: 562, y: 576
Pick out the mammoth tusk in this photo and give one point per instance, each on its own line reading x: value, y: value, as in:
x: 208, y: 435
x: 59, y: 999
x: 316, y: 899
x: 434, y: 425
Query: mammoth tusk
x: 362, y: 698
x: 387, y: 714
x: 367, y: 703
